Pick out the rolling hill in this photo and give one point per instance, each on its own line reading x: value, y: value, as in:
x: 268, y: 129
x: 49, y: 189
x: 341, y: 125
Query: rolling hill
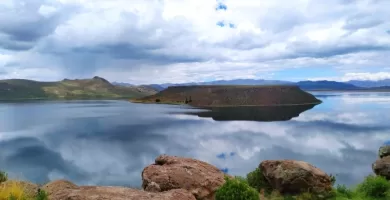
x: 95, y: 88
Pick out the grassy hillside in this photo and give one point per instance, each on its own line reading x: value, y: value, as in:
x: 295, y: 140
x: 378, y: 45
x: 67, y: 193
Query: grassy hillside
x: 239, y: 95
x: 95, y: 88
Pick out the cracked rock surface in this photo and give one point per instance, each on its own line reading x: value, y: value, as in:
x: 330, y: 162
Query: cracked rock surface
x: 172, y: 172
x: 294, y: 177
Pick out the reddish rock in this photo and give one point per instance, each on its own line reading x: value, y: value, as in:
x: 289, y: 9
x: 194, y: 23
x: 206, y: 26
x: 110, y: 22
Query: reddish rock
x: 294, y: 177
x: 118, y: 193
x: 171, y: 172
x: 58, y: 185
x: 381, y: 167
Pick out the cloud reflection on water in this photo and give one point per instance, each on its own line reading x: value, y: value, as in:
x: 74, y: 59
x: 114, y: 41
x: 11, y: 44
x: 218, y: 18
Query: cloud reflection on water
x: 111, y: 144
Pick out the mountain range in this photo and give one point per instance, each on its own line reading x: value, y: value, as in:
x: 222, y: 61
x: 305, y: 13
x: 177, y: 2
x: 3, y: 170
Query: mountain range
x: 305, y: 85
x: 95, y: 88
x: 380, y: 83
x: 100, y: 88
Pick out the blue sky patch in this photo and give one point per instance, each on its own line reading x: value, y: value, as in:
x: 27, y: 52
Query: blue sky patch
x: 221, y: 156
x: 223, y: 24
x: 221, y: 6
x: 225, y: 170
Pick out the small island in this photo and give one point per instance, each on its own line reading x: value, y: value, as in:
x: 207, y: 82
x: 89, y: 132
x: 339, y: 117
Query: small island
x: 232, y: 95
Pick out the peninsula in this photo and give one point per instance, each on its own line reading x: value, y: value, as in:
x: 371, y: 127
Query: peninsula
x: 231, y: 95
x: 95, y: 88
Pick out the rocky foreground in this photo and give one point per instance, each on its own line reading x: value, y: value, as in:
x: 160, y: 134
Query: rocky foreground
x: 381, y: 166
x: 178, y: 178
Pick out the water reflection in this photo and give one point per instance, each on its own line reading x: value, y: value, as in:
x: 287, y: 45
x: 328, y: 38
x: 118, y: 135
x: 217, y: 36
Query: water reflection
x: 253, y: 113
x: 110, y: 142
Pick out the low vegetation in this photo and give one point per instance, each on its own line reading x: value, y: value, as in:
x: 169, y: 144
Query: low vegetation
x: 95, y: 88
x: 15, y: 190
x: 236, y: 189
x: 255, y: 185
x: 3, y: 176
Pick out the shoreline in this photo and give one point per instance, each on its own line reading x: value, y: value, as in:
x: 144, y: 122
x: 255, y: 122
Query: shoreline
x: 222, y: 106
x: 368, y: 90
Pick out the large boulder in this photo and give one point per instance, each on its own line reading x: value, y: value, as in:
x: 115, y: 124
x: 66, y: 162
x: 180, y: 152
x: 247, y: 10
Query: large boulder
x: 117, y: 193
x: 58, y: 185
x: 294, y: 177
x: 384, y: 151
x: 171, y: 172
x: 381, y: 167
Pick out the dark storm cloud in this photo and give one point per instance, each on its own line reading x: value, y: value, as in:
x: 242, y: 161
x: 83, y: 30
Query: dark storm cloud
x: 304, y: 49
x: 22, y: 26
x: 7, y: 43
x: 135, y: 52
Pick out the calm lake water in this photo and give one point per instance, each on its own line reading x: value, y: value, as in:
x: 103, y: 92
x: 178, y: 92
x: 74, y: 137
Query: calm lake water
x: 110, y: 142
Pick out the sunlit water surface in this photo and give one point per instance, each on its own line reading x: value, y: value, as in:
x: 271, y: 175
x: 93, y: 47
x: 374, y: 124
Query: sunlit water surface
x: 110, y: 142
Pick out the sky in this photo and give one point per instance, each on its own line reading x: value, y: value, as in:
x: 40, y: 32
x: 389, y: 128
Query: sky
x: 160, y: 41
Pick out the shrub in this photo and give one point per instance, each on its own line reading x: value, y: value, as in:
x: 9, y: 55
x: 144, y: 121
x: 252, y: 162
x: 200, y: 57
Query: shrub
x: 12, y: 191
x: 3, y: 176
x: 236, y: 189
x: 376, y: 187
x: 257, y: 180
x: 158, y: 100
x: 42, y: 195
x: 343, y: 191
x: 332, y: 179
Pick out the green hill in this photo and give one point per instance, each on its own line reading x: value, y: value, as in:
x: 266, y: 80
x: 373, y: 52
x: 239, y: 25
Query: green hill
x: 95, y: 88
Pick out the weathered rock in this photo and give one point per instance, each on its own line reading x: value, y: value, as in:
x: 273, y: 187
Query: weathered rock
x: 58, y: 185
x: 294, y: 177
x: 29, y: 189
x: 384, y: 151
x: 171, y: 172
x: 381, y: 167
x: 118, y: 193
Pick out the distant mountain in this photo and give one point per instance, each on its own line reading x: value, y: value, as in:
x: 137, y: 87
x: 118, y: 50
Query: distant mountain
x: 325, y: 85
x: 304, y: 85
x: 155, y: 87
x: 367, y: 84
x: 95, y: 88
x: 224, y: 82
x: 122, y: 84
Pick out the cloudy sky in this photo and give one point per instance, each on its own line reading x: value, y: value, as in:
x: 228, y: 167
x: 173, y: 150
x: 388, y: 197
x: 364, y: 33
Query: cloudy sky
x: 158, y: 41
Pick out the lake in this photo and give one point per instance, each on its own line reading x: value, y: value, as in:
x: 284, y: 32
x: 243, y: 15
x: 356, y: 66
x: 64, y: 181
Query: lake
x: 110, y: 142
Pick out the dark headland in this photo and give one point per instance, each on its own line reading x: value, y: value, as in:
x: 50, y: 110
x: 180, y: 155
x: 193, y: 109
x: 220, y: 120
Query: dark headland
x: 231, y: 95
